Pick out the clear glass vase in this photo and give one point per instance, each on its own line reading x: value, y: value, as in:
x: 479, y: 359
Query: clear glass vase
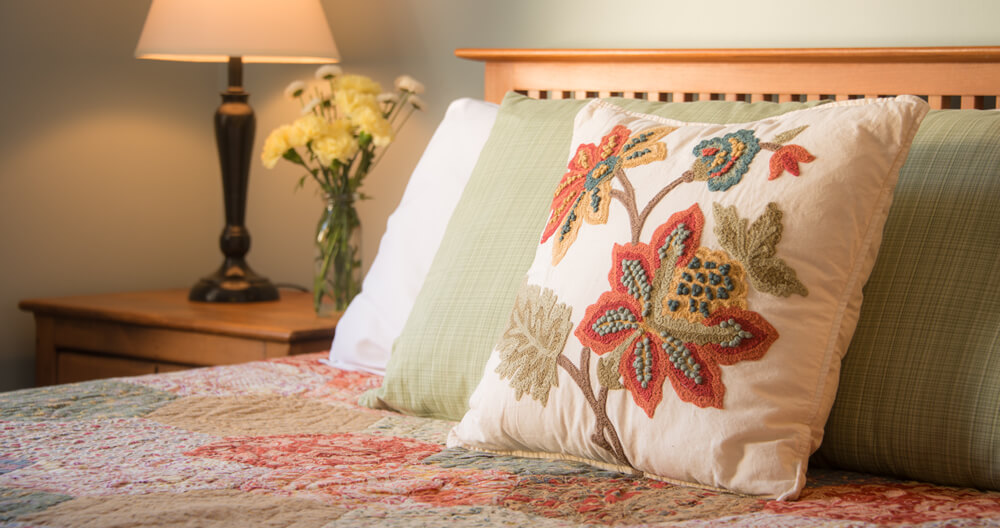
x: 337, y: 277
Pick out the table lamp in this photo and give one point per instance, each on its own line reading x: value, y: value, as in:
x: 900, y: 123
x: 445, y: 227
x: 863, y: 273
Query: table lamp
x: 236, y: 31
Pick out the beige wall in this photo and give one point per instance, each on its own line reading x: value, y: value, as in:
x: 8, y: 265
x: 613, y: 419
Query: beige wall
x: 108, y: 173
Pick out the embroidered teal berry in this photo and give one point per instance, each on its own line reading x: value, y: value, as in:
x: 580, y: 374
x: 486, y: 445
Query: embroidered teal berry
x: 696, y: 290
x: 703, y: 308
x: 680, y: 358
x: 595, y: 201
x: 613, y: 321
x: 643, y: 362
x: 678, y: 235
x: 637, y: 154
x: 695, y: 263
x: 673, y: 305
x: 728, y: 283
x: 710, y: 264
x: 692, y: 305
x: 714, y: 279
x: 709, y: 294
x: 687, y: 276
x: 724, y: 269
x: 722, y: 293
x: 682, y: 289
x: 701, y: 277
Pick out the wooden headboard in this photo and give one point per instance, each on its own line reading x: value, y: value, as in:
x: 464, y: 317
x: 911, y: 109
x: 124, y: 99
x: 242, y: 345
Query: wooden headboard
x: 966, y: 77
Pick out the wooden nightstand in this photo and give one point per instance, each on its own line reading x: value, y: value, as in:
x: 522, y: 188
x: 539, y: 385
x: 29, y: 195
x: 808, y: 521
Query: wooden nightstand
x: 126, y: 334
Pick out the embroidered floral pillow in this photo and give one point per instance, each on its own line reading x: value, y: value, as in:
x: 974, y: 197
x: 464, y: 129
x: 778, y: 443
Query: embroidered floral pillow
x: 693, y: 292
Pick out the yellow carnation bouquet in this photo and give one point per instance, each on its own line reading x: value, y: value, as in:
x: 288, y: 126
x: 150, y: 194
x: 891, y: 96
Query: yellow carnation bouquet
x: 346, y: 125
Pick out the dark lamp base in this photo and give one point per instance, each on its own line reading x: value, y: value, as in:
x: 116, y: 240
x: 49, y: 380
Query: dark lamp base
x: 234, y: 282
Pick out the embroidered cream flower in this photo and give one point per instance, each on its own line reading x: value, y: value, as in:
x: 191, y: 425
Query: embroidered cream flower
x: 406, y: 83
x: 327, y: 72
x: 370, y: 120
x: 295, y: 89
x: 356, y: 83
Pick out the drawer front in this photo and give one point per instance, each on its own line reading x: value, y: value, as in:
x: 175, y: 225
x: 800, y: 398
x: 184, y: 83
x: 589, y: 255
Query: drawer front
x: 73, y: 367
x: 159, y: 344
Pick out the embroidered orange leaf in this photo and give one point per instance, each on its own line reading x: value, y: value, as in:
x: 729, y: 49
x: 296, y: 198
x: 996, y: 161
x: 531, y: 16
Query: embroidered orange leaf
x: 787, y: 158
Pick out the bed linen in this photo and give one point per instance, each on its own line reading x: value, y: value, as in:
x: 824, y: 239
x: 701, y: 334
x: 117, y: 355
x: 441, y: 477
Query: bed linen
x: 283, y: 443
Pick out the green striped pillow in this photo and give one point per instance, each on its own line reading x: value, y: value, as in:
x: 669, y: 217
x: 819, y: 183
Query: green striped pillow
x: 919, y: 392
x: 491, y: 240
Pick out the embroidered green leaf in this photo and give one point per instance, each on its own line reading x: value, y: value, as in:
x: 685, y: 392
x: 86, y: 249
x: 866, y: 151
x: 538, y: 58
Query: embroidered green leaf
x: 697, y: 333
x: 533, y: 339
x: 607, y: 367
x: 788, y: 135
x: 672, y: 249
x: 755, y: 246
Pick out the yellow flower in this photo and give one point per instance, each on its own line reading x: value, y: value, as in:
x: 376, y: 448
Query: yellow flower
x: 371, y: 121
x: 275, y: 146
x: 356, y: 83
x: 351, y: 102
x: 337, y: 144
x: 306, y: 129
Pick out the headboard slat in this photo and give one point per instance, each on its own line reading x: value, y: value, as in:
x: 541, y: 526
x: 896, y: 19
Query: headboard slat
x: 971, y: 73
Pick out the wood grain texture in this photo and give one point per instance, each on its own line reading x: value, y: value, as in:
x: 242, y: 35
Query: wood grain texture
x: 969, y: 73
x: 291, y: 318
x: 95, y: 336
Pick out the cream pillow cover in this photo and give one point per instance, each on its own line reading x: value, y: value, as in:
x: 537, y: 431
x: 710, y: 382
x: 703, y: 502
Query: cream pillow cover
x: 693, y: 292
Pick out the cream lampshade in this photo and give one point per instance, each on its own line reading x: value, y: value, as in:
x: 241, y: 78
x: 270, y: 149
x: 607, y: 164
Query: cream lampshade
x: 236, y: 31
x: 293, y: 31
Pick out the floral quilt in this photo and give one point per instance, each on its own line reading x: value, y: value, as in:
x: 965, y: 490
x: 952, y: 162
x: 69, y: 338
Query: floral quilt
x: 283, y: 443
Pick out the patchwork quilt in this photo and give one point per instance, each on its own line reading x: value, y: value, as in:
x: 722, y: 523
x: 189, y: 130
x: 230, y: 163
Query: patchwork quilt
x: 283, y: 443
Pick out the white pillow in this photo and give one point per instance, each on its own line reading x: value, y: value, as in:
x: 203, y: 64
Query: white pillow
x: 413, y: 233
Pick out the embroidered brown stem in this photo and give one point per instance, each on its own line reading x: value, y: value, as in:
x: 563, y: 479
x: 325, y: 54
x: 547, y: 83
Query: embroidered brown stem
x: 637, y: 231
x: 627, y: 198
x: 605, y: 436
x: 769, y: 146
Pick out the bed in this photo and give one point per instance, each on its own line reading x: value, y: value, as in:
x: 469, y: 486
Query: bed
x: 285, y: 442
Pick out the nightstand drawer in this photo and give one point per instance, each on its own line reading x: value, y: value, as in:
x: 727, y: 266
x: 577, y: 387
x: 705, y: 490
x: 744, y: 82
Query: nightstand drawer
x: 156, y: 344
x: 125, y: 334
x: 76, y: 366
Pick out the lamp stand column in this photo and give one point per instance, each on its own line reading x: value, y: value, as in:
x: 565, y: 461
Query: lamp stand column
x: 234, y: 281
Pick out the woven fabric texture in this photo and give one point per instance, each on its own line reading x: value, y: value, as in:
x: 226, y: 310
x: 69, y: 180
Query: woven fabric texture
x: 491, y: 239
x: 920, y: 384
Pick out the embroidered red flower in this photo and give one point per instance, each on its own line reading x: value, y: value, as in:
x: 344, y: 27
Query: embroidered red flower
x: 646, y: 336
x: 787, y: 158
x: 585, y: 190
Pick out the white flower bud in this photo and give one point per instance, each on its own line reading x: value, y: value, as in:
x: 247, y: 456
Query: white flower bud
x: 327, y: 72
x: 406, y: 83
x: 295, y: 89
x: 312, y: 104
